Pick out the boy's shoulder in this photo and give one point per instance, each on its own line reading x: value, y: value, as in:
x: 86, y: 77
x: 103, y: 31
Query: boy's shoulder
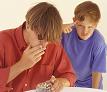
x: 98, y: 39
x: 70, y: 34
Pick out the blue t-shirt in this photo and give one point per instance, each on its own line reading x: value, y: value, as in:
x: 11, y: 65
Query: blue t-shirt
x: 87, y: 56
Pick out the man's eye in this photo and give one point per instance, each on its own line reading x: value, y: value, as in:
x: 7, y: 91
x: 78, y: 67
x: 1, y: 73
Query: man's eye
x: 40, y: 37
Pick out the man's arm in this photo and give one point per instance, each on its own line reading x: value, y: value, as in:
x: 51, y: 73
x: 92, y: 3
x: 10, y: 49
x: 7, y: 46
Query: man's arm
x: 64, y: 75
x: 96, y: 78
x: 29, y: 58
x: 64, y: 72
x: 66, y: 28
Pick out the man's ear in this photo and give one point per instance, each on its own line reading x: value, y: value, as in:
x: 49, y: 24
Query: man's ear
x: 27, y: 26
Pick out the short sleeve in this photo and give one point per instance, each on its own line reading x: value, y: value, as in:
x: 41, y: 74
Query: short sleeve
x: 99, y: 59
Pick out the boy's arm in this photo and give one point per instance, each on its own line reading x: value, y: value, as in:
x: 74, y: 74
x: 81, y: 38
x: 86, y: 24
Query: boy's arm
x: 99, y: 63
x: 96, y: 77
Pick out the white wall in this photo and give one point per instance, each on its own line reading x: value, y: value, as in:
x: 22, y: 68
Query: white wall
x: 12, y: 13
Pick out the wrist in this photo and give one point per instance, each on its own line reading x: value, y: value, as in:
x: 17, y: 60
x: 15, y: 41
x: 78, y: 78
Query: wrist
x: 64, y: 82
x: 19, y: 66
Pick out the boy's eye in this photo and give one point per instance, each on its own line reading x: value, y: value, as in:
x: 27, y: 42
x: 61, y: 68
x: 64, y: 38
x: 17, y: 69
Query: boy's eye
x: 90, y: 27
x: 79, y: 25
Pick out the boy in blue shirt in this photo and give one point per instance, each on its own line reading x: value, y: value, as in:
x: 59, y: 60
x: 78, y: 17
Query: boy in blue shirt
x: 85, y: 46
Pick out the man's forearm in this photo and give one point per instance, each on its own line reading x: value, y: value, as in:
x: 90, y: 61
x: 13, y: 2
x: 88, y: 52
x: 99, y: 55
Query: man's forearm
x: 15, y: 70
x: 96, y: 77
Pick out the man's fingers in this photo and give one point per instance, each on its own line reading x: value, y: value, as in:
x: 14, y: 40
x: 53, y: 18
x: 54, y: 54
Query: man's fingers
x: 55, y: 87
x: 36, y: 52
x: 67, y: 28
x: 28, y: 48
x: 39, y: 55
x: 35, y: 48
x: 53, y: 79
x: 37, y: 60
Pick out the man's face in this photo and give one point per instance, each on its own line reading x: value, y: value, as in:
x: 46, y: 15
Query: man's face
x: 34, y: 41
x: 85, y: 28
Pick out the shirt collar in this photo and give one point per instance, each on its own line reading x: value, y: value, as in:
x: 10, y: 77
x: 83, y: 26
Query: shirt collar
x: 20, y: 37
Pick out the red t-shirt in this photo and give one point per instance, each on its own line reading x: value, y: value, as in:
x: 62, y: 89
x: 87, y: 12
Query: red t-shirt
x: 54, y: 62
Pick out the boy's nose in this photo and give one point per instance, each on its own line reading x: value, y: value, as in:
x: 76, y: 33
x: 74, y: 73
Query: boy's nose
x: 85, y: 31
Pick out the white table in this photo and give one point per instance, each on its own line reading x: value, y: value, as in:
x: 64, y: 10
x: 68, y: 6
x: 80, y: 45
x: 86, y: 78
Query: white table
x: 77, y: 89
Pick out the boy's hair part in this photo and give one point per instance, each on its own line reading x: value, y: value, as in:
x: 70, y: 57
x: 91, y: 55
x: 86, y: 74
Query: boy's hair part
x: 45, y: 20
x: 87, y: 9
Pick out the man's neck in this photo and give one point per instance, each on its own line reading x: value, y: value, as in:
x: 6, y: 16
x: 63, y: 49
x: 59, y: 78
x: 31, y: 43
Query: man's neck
x: 26, y: 35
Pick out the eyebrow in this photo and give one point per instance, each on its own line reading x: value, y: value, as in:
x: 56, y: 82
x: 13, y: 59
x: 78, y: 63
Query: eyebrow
x: 79, y: 25
x: 83, y: 25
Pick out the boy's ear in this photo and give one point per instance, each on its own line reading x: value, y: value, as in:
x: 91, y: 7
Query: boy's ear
x: 74, y: 19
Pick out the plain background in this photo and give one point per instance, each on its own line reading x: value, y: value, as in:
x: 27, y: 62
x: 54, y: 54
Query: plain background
x: 12, y: 14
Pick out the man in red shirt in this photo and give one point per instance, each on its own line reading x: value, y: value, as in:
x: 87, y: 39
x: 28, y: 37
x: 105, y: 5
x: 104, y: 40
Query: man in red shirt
x: 31, y: 54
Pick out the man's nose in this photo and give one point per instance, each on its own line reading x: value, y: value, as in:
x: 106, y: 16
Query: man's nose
x: 43, y: 43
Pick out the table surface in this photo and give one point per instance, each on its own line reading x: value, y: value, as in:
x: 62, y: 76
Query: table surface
x: 77, y: 89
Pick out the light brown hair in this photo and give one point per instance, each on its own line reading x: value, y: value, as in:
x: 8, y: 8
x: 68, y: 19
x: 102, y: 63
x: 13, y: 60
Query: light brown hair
x: 45, y: 20
x: 87, y: 9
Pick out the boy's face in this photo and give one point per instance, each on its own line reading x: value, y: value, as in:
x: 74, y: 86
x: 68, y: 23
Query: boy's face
x: 85, y: 28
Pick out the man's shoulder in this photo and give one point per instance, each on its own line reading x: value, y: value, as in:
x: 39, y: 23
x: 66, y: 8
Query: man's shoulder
x: 5, y: 35
x: 55, y: 46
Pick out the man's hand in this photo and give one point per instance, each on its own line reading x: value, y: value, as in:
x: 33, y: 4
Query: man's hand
x: 59, y: 84
x: 31, y: 56
x: 67, y: 28
x: 47, y: 84
x: 54, y: 84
